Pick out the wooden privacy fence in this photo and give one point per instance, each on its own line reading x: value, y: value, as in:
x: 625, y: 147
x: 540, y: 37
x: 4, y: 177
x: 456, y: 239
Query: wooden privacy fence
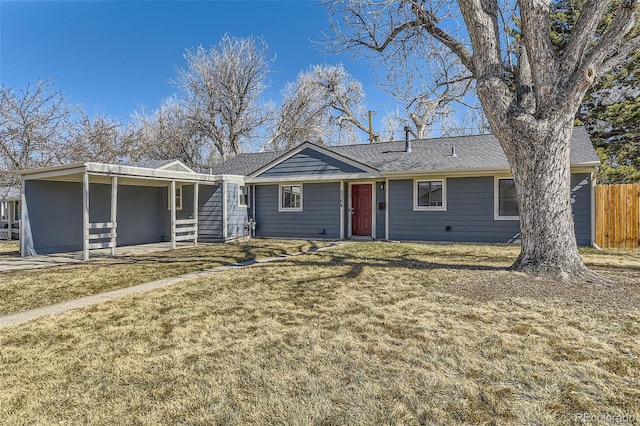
x: 618, y: 216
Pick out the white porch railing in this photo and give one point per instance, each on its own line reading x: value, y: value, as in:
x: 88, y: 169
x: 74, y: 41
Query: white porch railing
x: 186, y: 230
x: 109, y: 234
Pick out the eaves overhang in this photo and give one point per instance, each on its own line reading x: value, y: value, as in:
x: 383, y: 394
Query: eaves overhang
x: 312, y: 178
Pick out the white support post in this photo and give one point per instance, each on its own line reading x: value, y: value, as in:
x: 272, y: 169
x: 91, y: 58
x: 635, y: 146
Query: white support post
x: 114, y: 212
x: 374, y: 197
x: 23, y: 219
x: 85, y: 216
x: 11, y: 207
x: 172, y: 194
x: 195, y: 211
x: 253, y: 201
x: 225, y: 232
x: 386, y: 209
x: 593, y: 207
x: 342, y: 210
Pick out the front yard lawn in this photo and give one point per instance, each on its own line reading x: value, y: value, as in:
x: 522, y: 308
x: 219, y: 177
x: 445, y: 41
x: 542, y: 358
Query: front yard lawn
x: 28, y: 289
x: 367, y: 333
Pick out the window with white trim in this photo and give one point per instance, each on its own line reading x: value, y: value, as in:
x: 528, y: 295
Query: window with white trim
x: 290, y: 198
x: 429, y: 195
x: 178, y: 197
x: 243, y: 196
x: 507, y: 199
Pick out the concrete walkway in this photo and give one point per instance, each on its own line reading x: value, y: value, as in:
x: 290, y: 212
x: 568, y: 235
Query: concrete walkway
x: 22, y: 317
x: 46, y: 260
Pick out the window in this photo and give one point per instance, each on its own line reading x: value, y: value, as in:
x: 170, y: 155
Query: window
x: 429, y: 195
x: 16, y: 213
x: 506, y: 200
x: 3, y: 209
x: 178, y: 197
x: 290, y: 198
x: 243, y: 196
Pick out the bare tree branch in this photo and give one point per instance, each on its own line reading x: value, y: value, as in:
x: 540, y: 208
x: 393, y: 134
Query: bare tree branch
x: 583, y: 33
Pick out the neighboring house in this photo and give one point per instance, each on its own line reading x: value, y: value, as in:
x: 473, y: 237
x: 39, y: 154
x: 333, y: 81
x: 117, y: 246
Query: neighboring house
x: 9, y: 212
x: 446, y: 189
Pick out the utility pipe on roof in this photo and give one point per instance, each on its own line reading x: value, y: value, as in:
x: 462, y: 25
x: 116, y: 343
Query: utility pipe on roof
x: 407, y: 141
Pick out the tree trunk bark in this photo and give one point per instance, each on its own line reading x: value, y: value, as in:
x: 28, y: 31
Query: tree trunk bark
x: 539, y: 158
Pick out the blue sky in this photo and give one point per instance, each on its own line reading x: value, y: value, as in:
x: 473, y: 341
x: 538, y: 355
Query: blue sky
x: 117, y: 56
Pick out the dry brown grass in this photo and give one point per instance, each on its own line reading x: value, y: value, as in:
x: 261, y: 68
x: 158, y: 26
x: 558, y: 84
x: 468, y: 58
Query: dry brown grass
x: 9, y: 248
x: 369, y: 333
x: 28, y: 289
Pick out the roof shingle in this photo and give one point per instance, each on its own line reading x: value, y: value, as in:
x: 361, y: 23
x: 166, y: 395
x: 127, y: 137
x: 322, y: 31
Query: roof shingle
x: 472, y: 152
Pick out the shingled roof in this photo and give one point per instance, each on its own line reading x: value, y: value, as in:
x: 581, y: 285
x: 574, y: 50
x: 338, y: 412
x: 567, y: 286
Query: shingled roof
x: 427, y: 155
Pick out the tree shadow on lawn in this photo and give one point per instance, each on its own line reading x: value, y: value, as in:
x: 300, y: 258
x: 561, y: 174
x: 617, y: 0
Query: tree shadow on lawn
x: 484, y: 286
x: 357, y: 264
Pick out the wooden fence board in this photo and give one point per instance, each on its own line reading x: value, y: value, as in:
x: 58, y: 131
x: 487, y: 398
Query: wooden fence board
x: 618, y: 216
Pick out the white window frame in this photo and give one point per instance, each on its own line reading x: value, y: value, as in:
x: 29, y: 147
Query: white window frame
x: 496, y: 199
x: 241, y: 198
x: 290, y: 209
x: 441, y: 208
x: 178, y: 197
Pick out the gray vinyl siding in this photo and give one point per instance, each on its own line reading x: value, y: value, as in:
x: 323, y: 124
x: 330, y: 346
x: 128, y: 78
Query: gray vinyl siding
x: 581, y: 202
x: 380, y: 214
x: 54, y: 222
x: 310, y: 162
x: 470, y: 213
x: 210, y: 213
x: 320, y: 217
x: 54, y: 209
x: 139, y: 221
x: 236, y: 216
x: 186, y: 212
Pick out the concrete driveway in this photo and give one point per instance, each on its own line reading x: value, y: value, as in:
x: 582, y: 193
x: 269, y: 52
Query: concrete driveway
x: 44, y: 261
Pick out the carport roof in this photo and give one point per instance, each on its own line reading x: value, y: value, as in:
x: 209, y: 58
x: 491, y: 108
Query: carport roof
x: 101, y: 173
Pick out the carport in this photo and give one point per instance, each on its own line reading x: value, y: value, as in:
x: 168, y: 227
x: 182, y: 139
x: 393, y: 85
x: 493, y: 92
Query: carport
x: 88, y: 206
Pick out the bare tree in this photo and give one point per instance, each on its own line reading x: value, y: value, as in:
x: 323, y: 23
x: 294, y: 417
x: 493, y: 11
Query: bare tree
x: 222, y: 88
x: 431, y: 84
x: 99, y: 139
x: 324, y: 105
x: 34, y: 127
x: 304, y: 116
x: 168, y: 133
x: 530, y: 92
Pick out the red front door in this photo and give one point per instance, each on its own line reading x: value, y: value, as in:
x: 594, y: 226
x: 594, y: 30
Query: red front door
x: 361, y: 209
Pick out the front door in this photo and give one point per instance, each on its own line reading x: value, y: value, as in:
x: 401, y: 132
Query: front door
x: 361, y: 209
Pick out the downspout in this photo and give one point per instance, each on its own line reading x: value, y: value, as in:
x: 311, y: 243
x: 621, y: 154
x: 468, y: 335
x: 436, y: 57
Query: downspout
x: 593, y: 208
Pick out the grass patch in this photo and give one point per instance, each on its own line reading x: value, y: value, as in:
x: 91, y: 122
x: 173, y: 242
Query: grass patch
x: 9, y: 249
x: 368, y: 333
x: 28, y: 289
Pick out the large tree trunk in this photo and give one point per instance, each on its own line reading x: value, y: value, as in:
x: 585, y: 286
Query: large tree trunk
x: 539, y: 158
